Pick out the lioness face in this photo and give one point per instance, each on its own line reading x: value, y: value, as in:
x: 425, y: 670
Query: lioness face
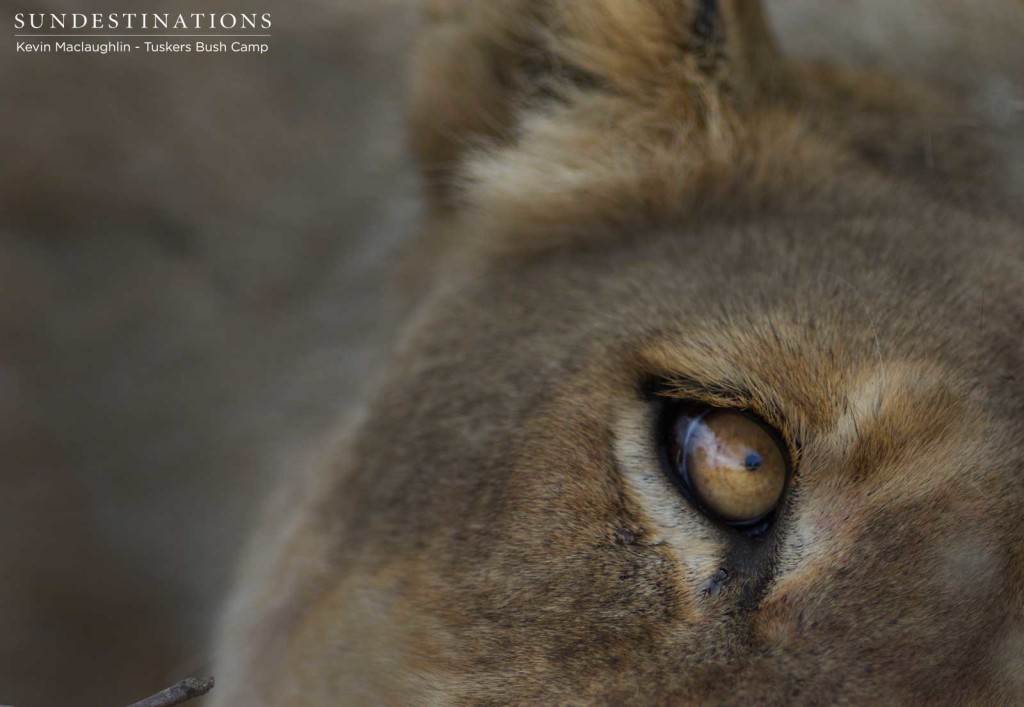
x: 764, y: 448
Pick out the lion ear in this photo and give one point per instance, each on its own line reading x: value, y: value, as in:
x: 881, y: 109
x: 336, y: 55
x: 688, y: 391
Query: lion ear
x: 482, y: 65
x: 753, y: 51
x: 469, y: 57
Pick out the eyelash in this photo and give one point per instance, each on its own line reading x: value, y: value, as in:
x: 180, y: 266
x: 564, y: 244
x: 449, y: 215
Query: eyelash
x: 664, y: 390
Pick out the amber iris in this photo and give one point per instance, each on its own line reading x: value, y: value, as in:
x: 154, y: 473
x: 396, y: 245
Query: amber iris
x: 730, y: 463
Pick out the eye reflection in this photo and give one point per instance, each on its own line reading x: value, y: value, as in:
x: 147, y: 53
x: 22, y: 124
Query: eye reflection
x: 729, y: 462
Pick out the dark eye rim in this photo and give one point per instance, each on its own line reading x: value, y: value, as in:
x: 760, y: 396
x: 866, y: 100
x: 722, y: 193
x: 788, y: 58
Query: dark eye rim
x: 669, y: 411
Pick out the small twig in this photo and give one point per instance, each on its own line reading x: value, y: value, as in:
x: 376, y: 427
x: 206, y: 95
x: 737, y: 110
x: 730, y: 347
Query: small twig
x: 178, y: 694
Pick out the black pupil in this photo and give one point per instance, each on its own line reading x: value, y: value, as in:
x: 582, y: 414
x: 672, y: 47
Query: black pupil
x: 753, y: 461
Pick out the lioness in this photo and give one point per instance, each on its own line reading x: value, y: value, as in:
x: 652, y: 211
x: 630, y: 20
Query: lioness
x: 709, y: 390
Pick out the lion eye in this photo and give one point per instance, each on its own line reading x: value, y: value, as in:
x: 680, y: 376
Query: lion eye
x: 729, y: 463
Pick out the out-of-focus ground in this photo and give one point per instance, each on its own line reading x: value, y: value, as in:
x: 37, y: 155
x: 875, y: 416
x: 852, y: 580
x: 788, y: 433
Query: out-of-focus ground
x: 193, y: 256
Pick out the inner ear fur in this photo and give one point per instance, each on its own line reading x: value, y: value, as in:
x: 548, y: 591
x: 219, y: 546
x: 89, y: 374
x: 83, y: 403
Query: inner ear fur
x: 482, y: 66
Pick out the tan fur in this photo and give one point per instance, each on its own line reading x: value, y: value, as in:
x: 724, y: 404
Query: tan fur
x: 620, y: 203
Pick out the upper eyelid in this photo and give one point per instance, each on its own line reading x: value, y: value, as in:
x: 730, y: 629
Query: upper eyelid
x: 678, y: 387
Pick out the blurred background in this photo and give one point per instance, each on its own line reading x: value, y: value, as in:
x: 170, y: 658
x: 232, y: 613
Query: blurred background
x: 192, y: 251
x: 195, y: 253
